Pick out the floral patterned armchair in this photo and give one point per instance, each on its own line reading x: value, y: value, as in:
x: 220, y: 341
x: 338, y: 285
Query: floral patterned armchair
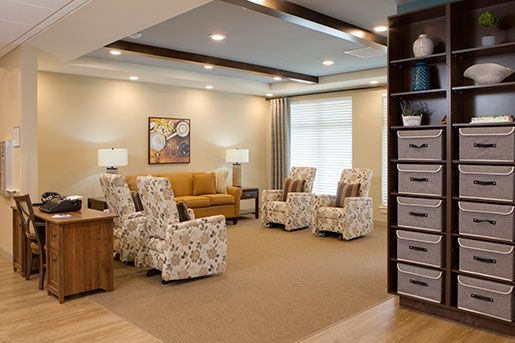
x: 295, y: 212
x: 355, y: 219
x: 180, y: 250
x: 129, y: 225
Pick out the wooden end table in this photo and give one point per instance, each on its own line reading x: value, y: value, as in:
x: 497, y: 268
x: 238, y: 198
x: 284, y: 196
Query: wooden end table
x: 251, y: 193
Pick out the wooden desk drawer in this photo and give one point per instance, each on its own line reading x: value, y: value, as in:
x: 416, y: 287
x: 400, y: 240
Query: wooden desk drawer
x: 53, y: 236
x: 249, y: 195
x: 53, y: 270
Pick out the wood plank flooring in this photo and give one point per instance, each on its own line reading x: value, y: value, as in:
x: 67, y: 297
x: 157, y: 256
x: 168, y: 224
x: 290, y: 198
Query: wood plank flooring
x: 30, y: 315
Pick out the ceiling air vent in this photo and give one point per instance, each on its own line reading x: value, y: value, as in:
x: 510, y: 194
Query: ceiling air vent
x: 366, y: 52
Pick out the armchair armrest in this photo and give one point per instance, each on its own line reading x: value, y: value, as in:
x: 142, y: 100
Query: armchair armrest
x: 320, y: 200
x: 359, y: 217
x: 214, y: 223
x: 133, y: 215
x: 135, y: 233
x: 236, y: 193
x: 299, y: 210
x: 358, y: 203
x: 272, y: 195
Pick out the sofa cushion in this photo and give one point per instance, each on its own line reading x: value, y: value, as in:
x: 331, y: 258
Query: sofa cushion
x: 182, y: 183
x: 194, y: 201
x: 203, y: 184
x: 220, y: 199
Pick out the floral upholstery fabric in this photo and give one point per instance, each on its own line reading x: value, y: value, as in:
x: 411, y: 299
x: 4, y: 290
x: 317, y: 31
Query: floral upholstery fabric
x: 295, y: 212
x: 355, y: 219
x: 187, y: 249
x: 129, y: 225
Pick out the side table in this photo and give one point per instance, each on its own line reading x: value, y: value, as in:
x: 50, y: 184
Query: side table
x: 251, y: 193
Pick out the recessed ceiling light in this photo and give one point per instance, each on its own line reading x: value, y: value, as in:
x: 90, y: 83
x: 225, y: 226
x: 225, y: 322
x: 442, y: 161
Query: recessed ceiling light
x: 115, y: 52
x: 373, y: 82
x: 277, y: 78
x: 217, y: 36
x: 208, y: 66
x: 209, y: 87
x: 268, y: 95
x: 134, y: 78
x: 380, y: 28
x: 328, y: 63
x: 135, y: 35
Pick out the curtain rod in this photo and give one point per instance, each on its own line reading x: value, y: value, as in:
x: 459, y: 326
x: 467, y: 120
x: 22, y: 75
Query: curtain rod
x: 325, y: 92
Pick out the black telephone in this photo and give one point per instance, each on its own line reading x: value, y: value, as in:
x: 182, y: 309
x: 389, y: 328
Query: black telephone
x: 55, y: 202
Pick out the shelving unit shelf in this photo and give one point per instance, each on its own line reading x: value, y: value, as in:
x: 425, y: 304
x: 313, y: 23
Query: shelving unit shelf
x: 457, y: 36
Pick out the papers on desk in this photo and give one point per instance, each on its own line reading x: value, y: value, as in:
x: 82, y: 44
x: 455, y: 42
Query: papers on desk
x: 61, y: 216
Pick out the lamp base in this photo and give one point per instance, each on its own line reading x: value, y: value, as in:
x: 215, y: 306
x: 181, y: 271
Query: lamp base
x: 111, y: 170
x: 236, y: 175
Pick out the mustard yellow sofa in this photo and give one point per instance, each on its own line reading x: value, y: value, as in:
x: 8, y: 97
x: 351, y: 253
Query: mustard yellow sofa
x: 197, y: 190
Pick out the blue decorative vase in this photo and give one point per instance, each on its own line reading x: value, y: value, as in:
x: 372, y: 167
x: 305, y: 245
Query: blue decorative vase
x: 421, y: 77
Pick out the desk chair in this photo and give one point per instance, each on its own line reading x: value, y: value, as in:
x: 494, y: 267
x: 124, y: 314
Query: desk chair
x: 35, y: 237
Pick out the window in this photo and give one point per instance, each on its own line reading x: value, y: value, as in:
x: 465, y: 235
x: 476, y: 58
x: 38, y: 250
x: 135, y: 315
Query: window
x: 384, y: 154
x: 321, y: 137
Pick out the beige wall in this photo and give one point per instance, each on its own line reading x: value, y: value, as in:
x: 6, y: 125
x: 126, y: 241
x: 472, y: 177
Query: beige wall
x: 18, y: 108
x: 366, y: 135
x: 78, y: 115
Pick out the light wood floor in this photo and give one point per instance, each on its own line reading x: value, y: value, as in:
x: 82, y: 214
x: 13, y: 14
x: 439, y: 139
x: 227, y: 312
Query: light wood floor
x: 30, y: 315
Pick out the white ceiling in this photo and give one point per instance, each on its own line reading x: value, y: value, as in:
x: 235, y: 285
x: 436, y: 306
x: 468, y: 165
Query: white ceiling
x: 22, y: 19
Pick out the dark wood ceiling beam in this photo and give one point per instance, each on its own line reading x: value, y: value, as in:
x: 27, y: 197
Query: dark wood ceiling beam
x: 313, y: 20
x: 159, y: 52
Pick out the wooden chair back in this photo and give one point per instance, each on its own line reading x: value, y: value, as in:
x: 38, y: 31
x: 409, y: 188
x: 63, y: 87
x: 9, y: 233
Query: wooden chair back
x: 27, y: 216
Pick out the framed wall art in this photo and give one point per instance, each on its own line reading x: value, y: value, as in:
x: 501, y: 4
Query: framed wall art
x: 168, y: 140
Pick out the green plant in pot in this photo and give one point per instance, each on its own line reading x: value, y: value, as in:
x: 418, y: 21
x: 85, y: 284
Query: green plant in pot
x: 412, y: 112
x: 488, y: 20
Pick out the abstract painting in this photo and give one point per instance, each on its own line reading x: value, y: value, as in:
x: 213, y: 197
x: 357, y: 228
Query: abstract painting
x: 168, y: 140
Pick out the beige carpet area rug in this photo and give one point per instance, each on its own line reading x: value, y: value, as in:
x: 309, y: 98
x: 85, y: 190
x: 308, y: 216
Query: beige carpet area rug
x: 279, y: 287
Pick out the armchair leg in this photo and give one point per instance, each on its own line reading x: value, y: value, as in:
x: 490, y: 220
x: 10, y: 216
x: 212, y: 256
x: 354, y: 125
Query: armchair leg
x: 234, y: 221
x: 321, y: 234
x: 152, y: 272
x: 340, y: 237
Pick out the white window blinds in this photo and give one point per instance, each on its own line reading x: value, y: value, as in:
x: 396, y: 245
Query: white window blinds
x: 321, y: 137
x: 384, y: 153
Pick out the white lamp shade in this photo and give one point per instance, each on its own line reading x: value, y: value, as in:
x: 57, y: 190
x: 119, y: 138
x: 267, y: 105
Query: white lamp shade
x: 113, y: 157
x: 237, y: 155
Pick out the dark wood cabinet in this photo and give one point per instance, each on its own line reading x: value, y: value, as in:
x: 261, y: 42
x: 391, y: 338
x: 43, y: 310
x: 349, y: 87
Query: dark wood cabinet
x: 457, y: 35
x: 251, y: 193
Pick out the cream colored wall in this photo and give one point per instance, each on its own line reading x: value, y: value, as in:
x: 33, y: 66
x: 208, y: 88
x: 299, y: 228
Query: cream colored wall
x: 366, y: 135
x: 78, y: 115
x: 18, y: 108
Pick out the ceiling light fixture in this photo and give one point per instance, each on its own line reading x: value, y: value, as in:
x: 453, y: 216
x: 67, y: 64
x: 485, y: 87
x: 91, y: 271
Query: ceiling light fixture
x: 135, y: 35
x: 208, y: 66
x: 217, y: 37
x: 268, y: 95
x: 328, y: 63
x: 134, y: 78
x: 373, y: 82
x: 277, y: 78
x: 380, y: 28
x: 115, y: 52
x: 209, y: 87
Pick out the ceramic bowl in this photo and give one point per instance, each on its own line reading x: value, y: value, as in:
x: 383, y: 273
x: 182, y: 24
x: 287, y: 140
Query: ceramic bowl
x: 487, y: 73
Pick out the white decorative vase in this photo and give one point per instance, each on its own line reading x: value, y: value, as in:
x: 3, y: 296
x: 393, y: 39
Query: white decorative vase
x: 411, y: 120
x: 487, y: 73
x: 423, y: 46
x: 488, y: 40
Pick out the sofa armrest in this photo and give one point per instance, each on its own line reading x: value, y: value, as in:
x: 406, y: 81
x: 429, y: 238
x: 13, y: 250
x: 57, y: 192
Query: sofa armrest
x: 236, y: 193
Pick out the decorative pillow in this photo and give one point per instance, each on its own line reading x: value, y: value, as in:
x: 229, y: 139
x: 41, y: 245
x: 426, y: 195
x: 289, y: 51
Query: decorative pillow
x: 204, y: 184
x: 293, y: 186
x: 183, y: 211
x: 137, y: 201
x: 346, y: 190
x: 221, y: 181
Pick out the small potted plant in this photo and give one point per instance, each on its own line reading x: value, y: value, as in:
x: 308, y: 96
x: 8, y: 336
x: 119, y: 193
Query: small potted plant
x: 412, y: 112
x: 487, y: 20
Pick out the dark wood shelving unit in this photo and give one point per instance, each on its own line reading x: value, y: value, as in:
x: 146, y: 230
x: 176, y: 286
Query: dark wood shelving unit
x: 457, y: 36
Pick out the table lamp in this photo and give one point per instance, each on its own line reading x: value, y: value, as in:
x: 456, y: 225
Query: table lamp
x: 236, y: 156
x: 112, y: 159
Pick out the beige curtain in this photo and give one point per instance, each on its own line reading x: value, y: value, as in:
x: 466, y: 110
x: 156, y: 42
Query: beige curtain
x: 280, y: 141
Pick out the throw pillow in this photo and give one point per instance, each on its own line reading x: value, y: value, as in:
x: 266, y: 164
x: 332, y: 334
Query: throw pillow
x: 346, y: 190
x: 221, y: 181
x: 183, y: 211
x: 293, y: 186
x: 137, y: 201
x: 203, y: 184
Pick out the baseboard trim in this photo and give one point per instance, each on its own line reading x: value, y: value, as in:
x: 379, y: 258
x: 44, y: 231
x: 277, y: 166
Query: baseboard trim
x: 6, y: 255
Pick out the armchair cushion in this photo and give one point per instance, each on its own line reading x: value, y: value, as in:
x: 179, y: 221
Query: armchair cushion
x: 293, y: 186
x: 346, y: 190
x: 203, y: 184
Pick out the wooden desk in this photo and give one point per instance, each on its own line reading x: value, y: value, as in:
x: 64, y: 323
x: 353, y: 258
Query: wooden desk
x: 79, y: 252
